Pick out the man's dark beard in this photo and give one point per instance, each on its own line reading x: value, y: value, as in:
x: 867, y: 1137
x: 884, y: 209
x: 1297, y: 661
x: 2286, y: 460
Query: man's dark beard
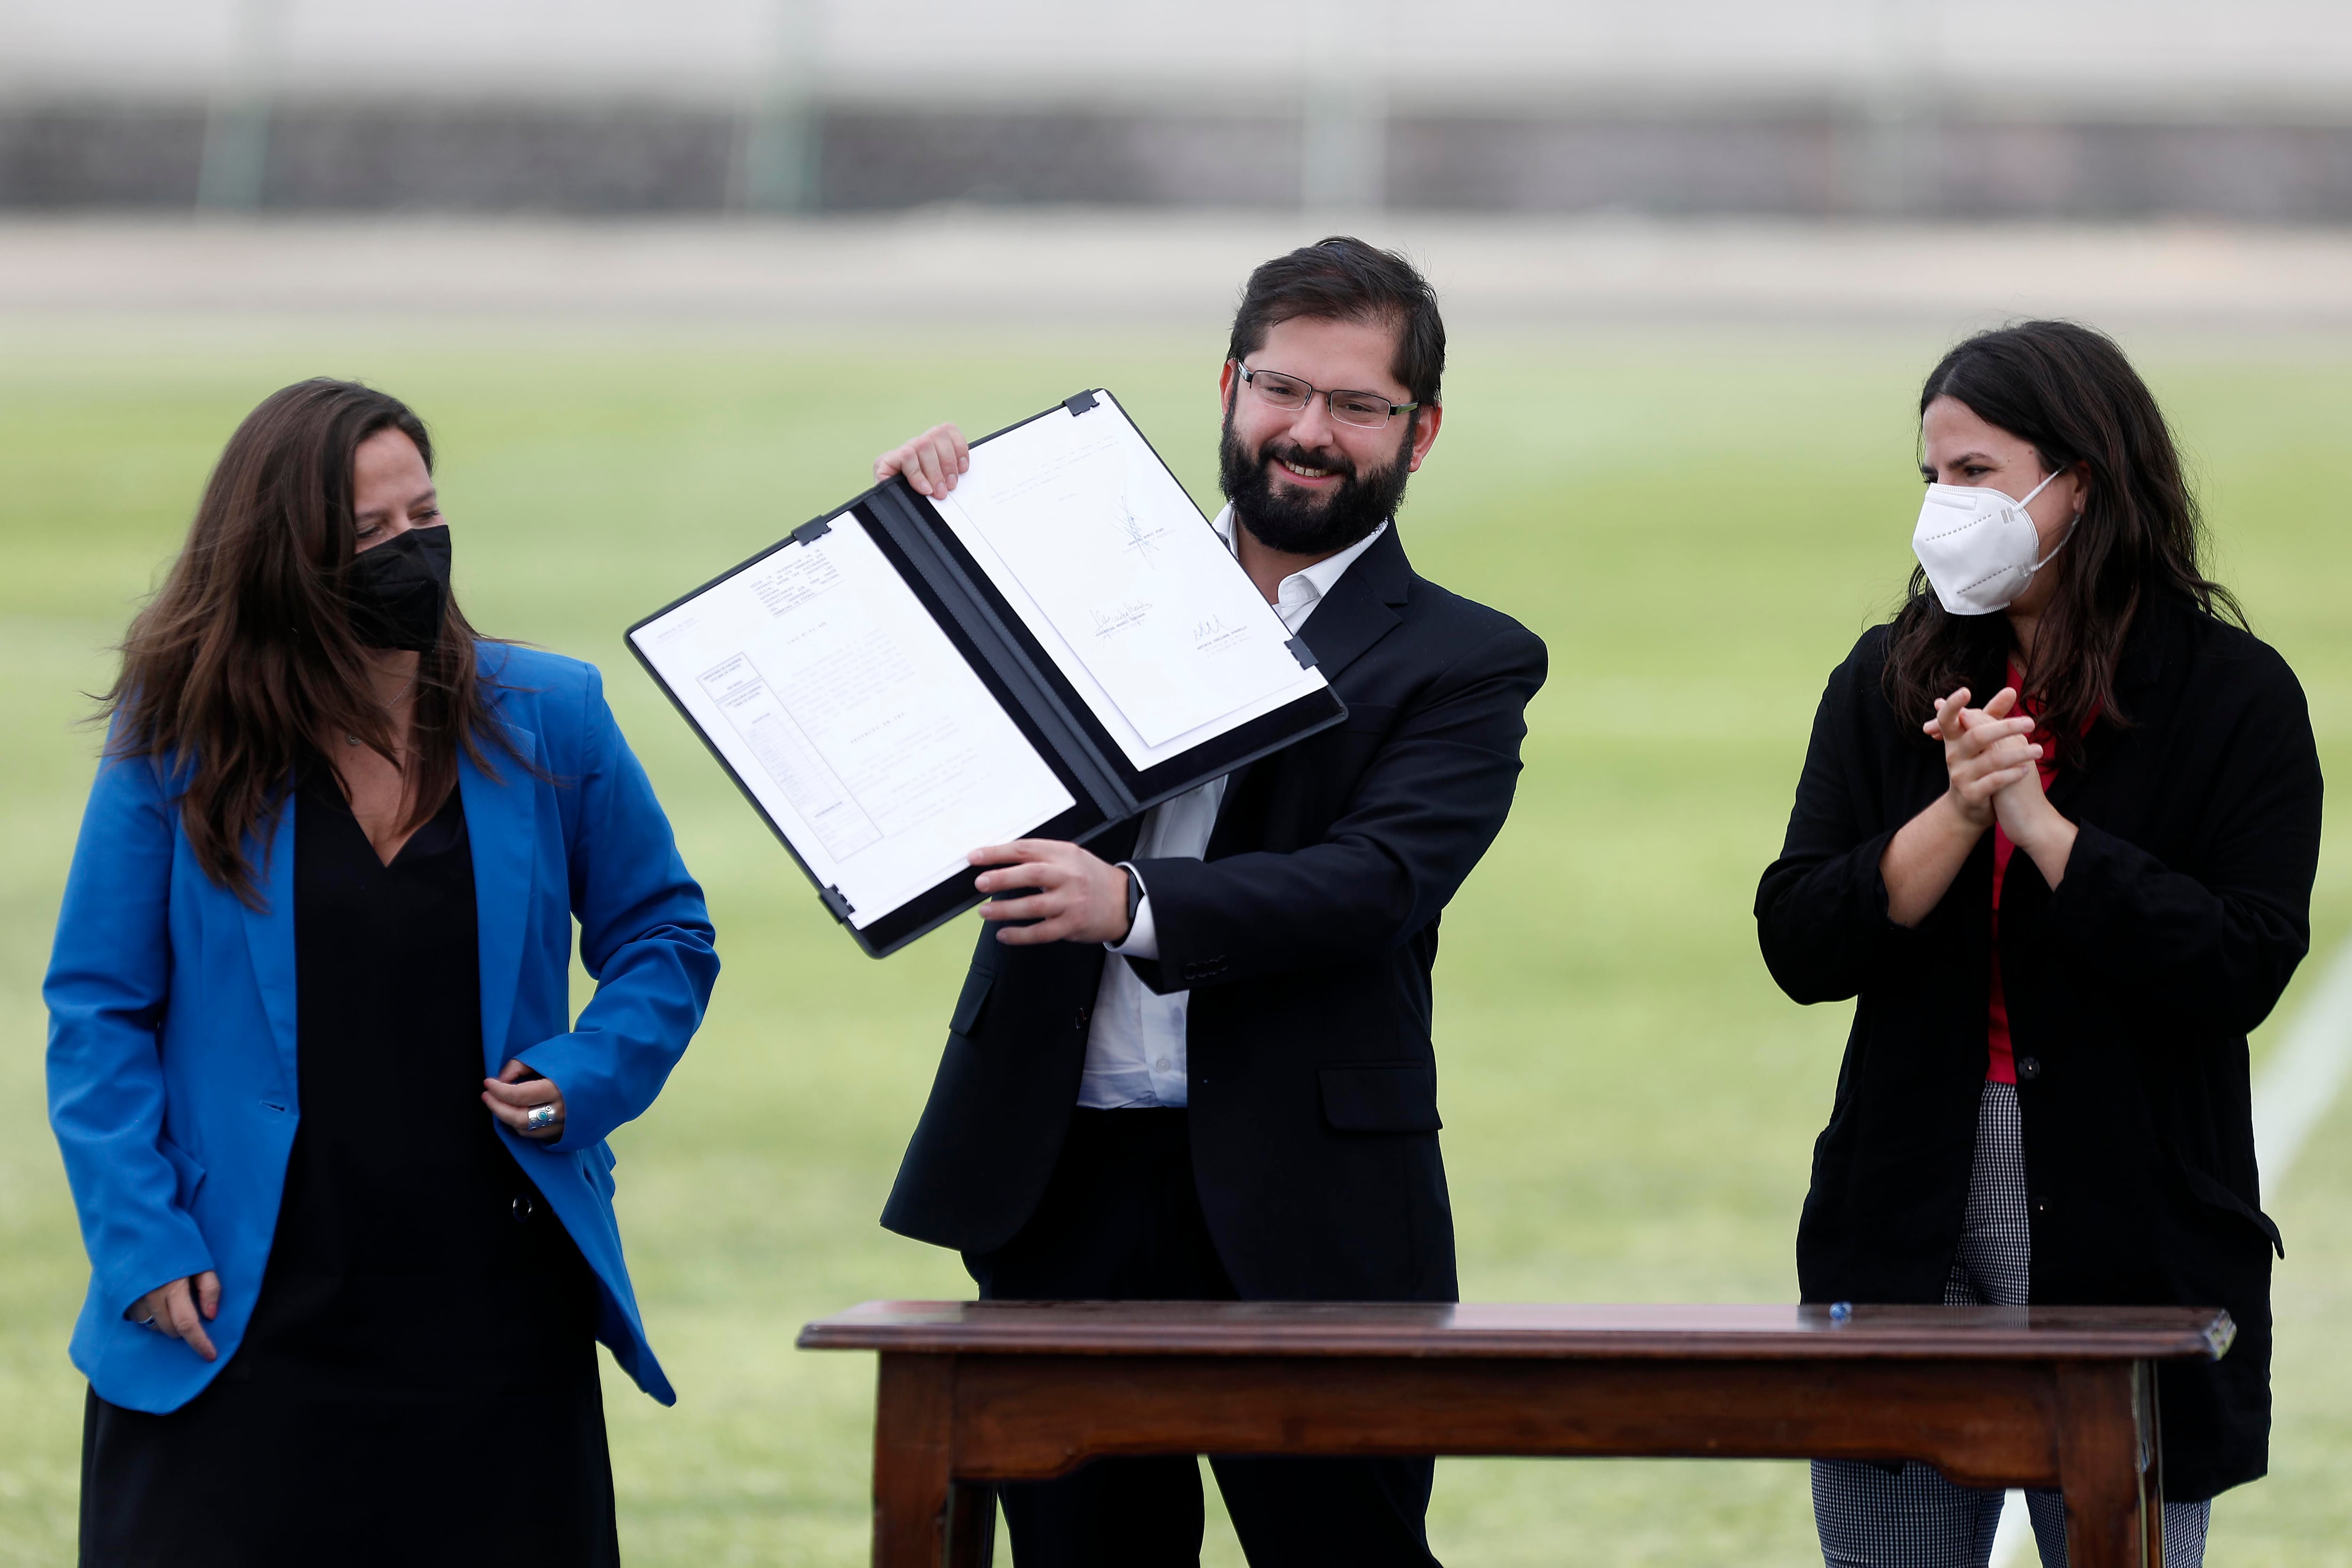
x: 1303, y: 523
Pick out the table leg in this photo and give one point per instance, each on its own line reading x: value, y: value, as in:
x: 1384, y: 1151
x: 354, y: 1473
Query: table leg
x: 972, y: 1524
x: 914, y: 1424
x: 2152, y: 1494
x: 2106, y: 1449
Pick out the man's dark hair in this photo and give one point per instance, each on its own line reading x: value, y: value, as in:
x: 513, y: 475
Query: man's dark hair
x: 1344, y: 279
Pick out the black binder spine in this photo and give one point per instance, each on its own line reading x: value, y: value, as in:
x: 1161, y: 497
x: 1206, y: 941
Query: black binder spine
x: 910, y: 529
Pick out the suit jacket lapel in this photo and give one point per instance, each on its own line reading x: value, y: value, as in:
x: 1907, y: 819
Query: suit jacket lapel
x: 498, y: 824
x: 1360, y: 610
x: 1361, y: 607
x: 269, y: 935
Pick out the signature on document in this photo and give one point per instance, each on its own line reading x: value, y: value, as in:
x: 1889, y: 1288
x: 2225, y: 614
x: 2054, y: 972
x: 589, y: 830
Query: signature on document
x: 1212, y: 634
x: 1112, y: 619
x: 1142, y: 539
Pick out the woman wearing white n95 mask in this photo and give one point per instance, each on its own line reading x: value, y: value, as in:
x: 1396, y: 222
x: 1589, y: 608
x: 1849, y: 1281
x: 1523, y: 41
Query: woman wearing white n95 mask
x: 2055, y: 836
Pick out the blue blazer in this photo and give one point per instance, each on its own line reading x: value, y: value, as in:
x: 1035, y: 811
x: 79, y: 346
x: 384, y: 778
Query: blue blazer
x: 171, y: 1019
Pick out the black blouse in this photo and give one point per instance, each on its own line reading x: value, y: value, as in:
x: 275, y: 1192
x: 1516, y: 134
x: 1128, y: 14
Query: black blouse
x: 411, y: 1249
x: 2183, y: 912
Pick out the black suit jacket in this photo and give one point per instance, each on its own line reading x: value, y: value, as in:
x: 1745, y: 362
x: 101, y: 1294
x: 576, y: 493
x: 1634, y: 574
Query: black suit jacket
x: 2130, y: 988
x: 1306, y: 938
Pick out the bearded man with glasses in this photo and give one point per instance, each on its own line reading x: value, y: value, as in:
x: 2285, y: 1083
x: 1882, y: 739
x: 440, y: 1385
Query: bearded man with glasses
x: 1199, y: 1068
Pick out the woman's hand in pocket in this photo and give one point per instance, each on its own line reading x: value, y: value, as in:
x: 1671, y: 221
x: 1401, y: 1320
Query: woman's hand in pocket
x: 180, y: 1310
x: 525, y: 1101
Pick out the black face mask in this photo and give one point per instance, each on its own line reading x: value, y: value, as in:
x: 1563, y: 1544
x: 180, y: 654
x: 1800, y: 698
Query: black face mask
x: 1302, y: 524
x: 400, y: 591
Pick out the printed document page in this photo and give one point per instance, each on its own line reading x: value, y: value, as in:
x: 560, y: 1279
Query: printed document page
x: 840, y: 703
x: 1114, y: 571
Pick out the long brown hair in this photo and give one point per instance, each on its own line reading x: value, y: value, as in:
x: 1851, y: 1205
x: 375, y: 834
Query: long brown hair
x: 2069, y: 392
x: 248, y: 655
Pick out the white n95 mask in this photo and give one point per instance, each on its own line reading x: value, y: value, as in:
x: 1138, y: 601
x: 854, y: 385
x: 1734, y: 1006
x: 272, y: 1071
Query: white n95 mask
x: 1979, y: 545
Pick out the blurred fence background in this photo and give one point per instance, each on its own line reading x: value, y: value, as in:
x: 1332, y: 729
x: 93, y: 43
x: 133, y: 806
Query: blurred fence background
x: 2102, y: 109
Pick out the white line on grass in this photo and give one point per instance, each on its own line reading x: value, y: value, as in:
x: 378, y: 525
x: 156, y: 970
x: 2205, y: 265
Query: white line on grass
x: 2300, y: 1079
x: 2013, y: 1541
x: 2298, y: 1084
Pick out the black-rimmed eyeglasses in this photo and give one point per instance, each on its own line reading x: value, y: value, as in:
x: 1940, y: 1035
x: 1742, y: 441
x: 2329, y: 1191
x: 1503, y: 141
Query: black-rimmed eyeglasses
x: 1365, y: 410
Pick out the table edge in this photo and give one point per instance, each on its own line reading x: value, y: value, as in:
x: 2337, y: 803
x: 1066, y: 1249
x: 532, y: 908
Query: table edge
x: 866, y: 1328
x: 1554, y: 1347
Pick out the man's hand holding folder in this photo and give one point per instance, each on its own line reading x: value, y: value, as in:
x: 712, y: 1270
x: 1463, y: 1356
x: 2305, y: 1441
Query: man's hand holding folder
x: 1072, y: 895
x: 932, y: 461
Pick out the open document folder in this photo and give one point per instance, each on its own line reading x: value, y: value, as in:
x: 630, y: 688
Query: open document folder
x: 1059, y: 644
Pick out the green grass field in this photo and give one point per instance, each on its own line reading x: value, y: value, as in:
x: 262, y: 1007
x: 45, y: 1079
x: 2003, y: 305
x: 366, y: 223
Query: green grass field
x: 1698, y: 526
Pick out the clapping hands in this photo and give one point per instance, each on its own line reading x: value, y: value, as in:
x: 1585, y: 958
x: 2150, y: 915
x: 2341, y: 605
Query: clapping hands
x: 1995, y: 774
x: 1986, y: 752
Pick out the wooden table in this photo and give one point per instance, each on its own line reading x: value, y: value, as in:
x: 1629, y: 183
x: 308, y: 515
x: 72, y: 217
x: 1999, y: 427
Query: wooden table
x: 974, y: 1393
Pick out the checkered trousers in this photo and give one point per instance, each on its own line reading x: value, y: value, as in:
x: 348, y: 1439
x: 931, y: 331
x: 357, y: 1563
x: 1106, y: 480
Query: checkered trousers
x: 1870, y: 1518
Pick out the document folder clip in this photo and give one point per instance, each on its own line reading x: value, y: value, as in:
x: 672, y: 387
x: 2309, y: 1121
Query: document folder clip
x: 1301, y: 652
x: 841, y: 907
x: 810, y: 533
x: 1078, y: 403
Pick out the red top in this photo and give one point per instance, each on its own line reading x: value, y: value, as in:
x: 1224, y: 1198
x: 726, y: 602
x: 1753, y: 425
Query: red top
x: 2000, y: 1066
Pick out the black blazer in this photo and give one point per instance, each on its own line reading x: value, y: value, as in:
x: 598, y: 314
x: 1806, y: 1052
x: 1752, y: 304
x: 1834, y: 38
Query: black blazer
x: 2183, y: 911
x: 1306, y: 938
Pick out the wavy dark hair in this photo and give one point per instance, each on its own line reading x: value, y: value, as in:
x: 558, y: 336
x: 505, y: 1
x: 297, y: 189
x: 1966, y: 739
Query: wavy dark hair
x: 2069, y: 392
x: 247, y: 654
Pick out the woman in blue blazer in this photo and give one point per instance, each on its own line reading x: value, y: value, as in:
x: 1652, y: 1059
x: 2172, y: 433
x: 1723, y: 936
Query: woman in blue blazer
x: 337, y: 1145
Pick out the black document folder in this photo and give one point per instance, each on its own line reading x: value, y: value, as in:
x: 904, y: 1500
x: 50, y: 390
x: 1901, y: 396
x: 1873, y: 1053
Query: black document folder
x: 1058, y: 645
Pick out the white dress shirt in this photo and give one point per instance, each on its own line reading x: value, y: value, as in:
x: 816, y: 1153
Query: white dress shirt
x: 1134, y: 1047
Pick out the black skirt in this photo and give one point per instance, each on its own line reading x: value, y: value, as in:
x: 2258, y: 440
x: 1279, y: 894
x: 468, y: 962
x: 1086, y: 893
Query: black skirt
x: 419, y: 1380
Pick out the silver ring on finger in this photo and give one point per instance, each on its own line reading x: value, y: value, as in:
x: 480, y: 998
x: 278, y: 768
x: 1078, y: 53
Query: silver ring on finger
x: 541, y: 1116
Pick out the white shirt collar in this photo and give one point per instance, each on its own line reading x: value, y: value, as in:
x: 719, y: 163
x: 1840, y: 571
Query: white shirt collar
x: 1298, y: 594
